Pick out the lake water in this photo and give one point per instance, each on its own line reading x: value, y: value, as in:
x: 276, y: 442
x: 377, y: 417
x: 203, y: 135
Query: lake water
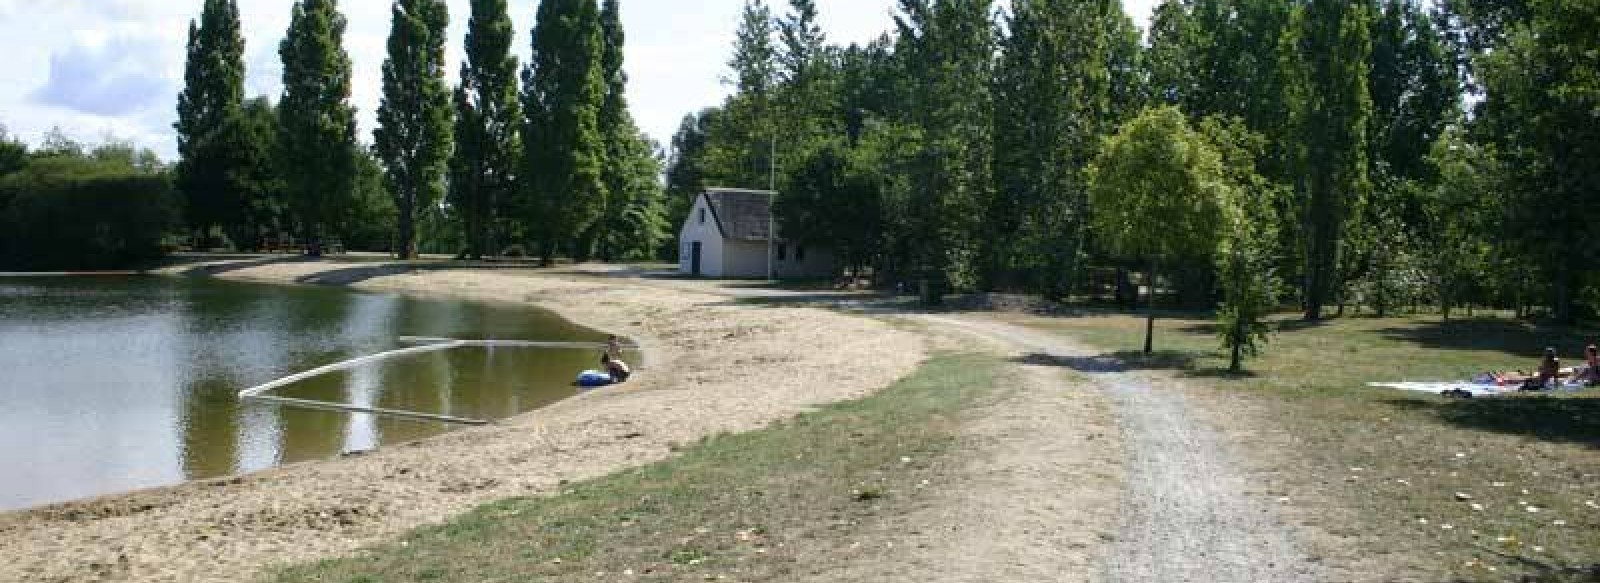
x: 116, y: 384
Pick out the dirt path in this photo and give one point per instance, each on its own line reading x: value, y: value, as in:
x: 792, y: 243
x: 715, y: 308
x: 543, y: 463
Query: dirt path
x: 1185, y: 516
x: 1031, y: 495
x: 1084, y: 472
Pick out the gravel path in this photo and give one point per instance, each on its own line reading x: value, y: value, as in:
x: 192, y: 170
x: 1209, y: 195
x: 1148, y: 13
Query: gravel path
x: 1185, y: 516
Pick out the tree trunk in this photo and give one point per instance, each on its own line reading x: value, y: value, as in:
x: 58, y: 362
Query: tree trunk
x: 406, y: 248
x: 1150, y: 310
x: 1236, y: 359
x: 1562, y: 306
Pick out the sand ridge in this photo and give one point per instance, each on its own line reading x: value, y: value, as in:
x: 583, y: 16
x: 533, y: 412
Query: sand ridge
x: 712, y: 365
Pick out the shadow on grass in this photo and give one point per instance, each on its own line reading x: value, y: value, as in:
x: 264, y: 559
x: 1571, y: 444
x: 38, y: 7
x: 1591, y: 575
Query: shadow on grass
x: 1562, y: 420
x: 1511, y: 337
x: 1135, y: 360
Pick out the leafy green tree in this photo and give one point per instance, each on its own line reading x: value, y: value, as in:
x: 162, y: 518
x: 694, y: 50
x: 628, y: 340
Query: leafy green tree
x: 832, y: 200
x: 75, y: 210
x: 687, y: 164
x: 244, y: 148
x: 370, y: 220
x: 57, y: 144
x: 1248, y: 239
x: 870, y: 82
x: 13, y: 153
x: 564, y: 150
x: 1171, y: 56
x: 1130, y: 78
x: 634, y: 222
x: 741, y: 150
x: 636, y: 226
x: 1335, y: 49
x: 1460, y: 214
x: 213, y: 93
x: 1053, y: 104
x: 807, y: 98
x: 413, y: 138
x: 1543, y: 89
x: 1415, y: 93
x: 1160, y: 194
x: 488, y: 117
x: 316, y: 123
x: 948, y: 47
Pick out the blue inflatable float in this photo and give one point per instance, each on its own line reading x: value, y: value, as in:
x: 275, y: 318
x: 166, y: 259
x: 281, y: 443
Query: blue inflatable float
x: 593, y: 378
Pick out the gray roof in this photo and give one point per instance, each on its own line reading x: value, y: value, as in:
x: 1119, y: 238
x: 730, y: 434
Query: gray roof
x: 742, y: 214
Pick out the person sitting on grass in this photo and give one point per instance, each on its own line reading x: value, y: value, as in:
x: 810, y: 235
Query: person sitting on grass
x: 618, y: 370
x: 1590, y: 375
x: 1549, y: 371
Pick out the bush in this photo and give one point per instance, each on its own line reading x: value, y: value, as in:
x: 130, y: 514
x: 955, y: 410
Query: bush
x: 76, y: 213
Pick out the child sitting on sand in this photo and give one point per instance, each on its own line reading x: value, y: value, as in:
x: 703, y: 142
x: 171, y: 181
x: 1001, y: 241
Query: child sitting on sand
x: 618, y: 370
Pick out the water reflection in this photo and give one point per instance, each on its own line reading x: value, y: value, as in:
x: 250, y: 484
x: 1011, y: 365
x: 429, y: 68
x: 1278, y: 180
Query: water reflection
x: 119, y: 384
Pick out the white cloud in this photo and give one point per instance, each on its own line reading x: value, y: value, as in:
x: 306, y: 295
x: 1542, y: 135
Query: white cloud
x: 97, y: 66
x: 116, y: 77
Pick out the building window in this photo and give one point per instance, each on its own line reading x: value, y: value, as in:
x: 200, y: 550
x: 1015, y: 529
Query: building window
x: 800, y: 253
x: 783, y: 251
x: 702, y: 216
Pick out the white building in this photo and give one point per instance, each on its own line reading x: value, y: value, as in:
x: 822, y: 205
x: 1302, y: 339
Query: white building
x: 726, y: 235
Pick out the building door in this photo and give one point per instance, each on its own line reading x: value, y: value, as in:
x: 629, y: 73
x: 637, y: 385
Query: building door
x: 694, y: 259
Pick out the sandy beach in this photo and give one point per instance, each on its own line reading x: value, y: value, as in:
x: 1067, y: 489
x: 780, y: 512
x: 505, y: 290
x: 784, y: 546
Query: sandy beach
x: 711, y: 365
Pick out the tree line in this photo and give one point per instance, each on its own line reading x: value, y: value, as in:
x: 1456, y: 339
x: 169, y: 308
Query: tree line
x: 542, y: 159
x: 1332, y: 155
x: 67, y: 205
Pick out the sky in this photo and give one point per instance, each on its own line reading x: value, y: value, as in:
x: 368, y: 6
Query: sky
x: 99, y: 68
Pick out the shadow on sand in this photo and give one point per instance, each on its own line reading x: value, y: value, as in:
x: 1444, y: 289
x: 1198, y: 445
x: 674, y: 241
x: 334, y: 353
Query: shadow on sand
x: 355, y: 274
x: 216, y: 269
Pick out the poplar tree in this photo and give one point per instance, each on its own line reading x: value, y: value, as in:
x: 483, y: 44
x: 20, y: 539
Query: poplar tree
x: 949, y: 47
x: 316, y: 123
x: 1415, y: 92
x: 687, y: 165
x: 563, y: 148
x: 1335, y: 48
x: 414, y: 118
x: 213, y: 92
x: 807, y: 98
x: 743, y: 137
x: 1543, y: 92
x: 488, y: 119
x: 633, y: 223
x: 1171, y: 56
x: 1053, y: 92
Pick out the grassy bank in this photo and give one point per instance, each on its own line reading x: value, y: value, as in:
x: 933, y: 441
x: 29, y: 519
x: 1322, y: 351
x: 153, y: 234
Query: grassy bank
x: 1421, y: 487
x: 767, y: 505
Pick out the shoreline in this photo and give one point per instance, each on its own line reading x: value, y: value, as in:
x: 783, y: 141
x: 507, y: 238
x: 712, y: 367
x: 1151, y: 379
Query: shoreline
x: 232, y: 529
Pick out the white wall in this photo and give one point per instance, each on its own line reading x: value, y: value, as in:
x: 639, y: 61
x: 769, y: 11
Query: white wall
x: 741, y: 259
x: 744, y: 259
x: 705, y: 232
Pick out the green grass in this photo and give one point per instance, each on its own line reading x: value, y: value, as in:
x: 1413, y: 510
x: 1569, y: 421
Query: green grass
x: 767, y: 505
x: 1392, y: 462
